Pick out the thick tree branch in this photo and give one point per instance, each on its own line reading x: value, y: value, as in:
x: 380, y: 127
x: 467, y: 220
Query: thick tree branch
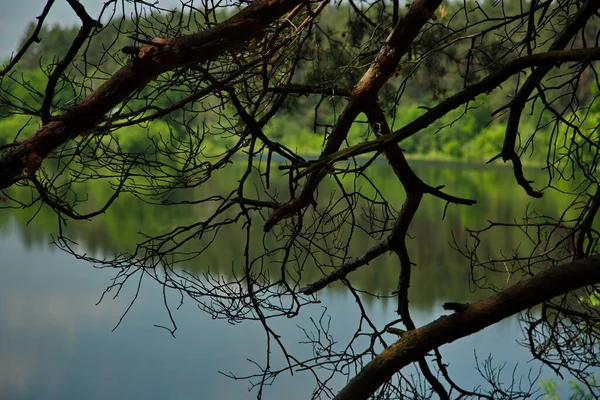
x: 151, y: 61
x: 553, y: 282
x: 395, y: 156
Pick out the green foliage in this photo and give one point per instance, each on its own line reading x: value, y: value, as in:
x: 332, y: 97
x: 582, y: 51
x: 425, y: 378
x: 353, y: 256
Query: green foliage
x: 551, y: 389
x: 17, y: 127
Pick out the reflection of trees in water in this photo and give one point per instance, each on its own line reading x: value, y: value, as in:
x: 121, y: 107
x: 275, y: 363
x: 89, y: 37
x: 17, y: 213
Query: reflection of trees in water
x: 441, y: 272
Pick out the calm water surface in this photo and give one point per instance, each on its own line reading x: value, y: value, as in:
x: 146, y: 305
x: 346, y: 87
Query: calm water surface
x: 56, y: 342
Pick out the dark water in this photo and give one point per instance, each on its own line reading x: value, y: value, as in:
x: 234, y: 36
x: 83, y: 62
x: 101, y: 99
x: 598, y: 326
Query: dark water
x: 55, y: 342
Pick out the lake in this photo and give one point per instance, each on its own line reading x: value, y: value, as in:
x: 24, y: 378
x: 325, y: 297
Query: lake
x: 57, y: 339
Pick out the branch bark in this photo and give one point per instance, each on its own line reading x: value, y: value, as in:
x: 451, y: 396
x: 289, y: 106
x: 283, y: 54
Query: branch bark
x: 553, y: 282
x: 151, y: 61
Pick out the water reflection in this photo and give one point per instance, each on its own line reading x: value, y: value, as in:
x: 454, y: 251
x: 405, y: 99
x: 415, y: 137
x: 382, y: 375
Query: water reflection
x: 441, y: 272
x: 55, y: 343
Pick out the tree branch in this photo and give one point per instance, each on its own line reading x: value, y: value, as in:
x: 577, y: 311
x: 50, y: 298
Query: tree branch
x: 151, y: 61
x: 322, y: 89
x: 346, y: 268
x: 553, y: 282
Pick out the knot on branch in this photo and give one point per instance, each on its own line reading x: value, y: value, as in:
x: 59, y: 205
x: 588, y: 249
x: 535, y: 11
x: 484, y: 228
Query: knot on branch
x: 151, y: 49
